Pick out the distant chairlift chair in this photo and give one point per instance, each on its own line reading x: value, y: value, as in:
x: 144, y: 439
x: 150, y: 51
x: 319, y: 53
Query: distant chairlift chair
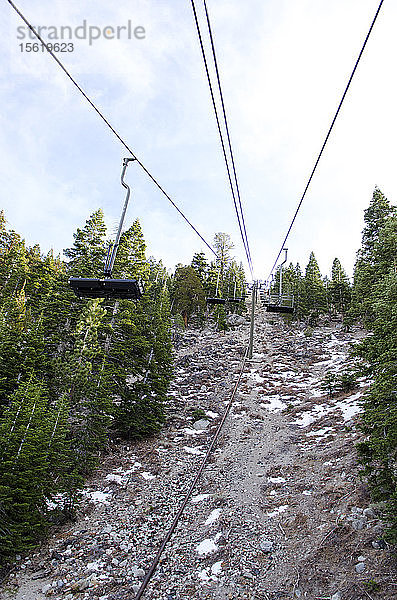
x: 235, y: 299
x: 280, y: 303
x: 216, y: 299
x: 128, y: 289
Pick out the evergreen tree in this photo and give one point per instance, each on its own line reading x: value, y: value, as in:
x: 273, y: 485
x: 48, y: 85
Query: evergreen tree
x: 200, y: 265
x: 88, y: 253
x: 314, y: 296
x: 367, y: 270
x: 375, y: 300
x: 33, y: 448
x: 188, y: 293
x: 339, y: 290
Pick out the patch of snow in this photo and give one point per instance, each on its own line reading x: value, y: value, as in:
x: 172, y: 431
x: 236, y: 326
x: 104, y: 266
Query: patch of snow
x: 214, y: 516
x: 211, y: 415
x: 195, y: 451
x: 349, y: 406
x: 114, y: 478
x: 148, y: 476
x: 307, y: 493
x: 321, y: 432
x: 278, y: 510
x: 191, y: 431
x: 216, y: 568
x: 274, y: 405
x: 199, y: 498
x: 276, y: 479
x: 98, y: 496
x: 305, y: 419
x: 207, y: 546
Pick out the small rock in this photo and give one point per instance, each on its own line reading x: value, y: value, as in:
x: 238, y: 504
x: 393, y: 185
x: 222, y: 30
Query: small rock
x: 266, y: 545
x: 201, y: 424
x: 379, y: 544
x: 137, y: 572
x: 80, y: 586
x: 369, y: 513
x: 336, y: 596
x: 360, y: 567
x: 358, y: 524
x: 203, y: 389
x: 46, y: 588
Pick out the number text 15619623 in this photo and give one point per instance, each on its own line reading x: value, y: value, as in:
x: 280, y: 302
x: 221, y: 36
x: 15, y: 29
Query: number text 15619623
x: 38, y: 47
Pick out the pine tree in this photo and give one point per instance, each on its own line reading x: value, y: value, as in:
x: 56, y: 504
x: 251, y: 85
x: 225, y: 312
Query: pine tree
x: 375, y: 300
x: 187, y: 293
x: 200, y: 265
x: 367, y: 270
x: 88, y: 253
x: 33, y: 448
x: 339, y: 290
x: 314, y: 296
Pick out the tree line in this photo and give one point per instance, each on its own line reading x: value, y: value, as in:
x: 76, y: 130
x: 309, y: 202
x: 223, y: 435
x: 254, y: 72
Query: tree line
x: 371, y: 301
x: 75, y: 374
x: 222, y: 277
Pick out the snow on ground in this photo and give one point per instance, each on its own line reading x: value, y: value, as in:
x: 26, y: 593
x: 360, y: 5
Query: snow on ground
x: 199, y: 498
x: 99, y: 496
x: 274, y: 404
x: 278, y: 510
x: 214, y: 516
x: 207, y: 546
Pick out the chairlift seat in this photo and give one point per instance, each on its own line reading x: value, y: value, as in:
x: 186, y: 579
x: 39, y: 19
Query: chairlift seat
x: 128, y: 289
x: 277, y: 308
x: 216, y: 301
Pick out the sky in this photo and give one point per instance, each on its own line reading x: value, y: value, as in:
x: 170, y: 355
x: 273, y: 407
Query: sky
x: 284, y: 65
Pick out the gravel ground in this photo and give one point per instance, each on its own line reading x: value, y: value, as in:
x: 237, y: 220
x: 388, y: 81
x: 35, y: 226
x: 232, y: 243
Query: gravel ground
x: 279, y: 512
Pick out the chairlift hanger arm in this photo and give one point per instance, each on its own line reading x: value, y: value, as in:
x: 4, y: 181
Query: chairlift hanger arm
x: 112, y: 253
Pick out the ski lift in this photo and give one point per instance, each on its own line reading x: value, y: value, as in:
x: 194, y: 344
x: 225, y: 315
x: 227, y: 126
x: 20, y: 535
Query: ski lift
x: 280, y: 303
x: 106, y: 287
x: 235, y: 299
x: 216, y: 299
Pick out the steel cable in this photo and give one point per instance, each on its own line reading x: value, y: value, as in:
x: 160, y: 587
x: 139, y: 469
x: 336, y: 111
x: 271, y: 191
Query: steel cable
x: 105, y: 120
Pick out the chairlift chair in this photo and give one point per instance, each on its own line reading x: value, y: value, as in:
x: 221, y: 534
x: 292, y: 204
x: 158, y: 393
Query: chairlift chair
x: 106, y: 287
x: 216, y: 300
x: 280, y: 303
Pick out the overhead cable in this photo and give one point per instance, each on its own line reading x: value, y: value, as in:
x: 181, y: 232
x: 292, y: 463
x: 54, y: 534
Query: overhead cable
x: 327, y: 136
x: 228, y: 134
x: 105, y: 120
x: 221, y: 136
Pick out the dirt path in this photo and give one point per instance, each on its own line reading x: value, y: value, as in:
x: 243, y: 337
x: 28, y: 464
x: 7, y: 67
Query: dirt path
x: 279, y: 512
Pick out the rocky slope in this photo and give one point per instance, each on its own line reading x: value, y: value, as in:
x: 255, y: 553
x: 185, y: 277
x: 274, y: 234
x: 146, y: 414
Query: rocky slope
x: 279, y: 512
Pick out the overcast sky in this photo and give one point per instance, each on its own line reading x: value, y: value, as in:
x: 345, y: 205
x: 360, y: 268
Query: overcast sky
x: 284, y: 65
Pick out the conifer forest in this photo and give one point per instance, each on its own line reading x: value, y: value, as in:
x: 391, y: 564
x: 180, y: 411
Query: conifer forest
x: 78, y: 376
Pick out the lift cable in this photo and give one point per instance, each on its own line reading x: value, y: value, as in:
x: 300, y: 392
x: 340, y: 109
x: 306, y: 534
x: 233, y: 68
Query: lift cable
x: 118, y: 136
x: 245, y: 244
x: 327, y: 137
x: 188, y: 494
x: 227, y: 129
